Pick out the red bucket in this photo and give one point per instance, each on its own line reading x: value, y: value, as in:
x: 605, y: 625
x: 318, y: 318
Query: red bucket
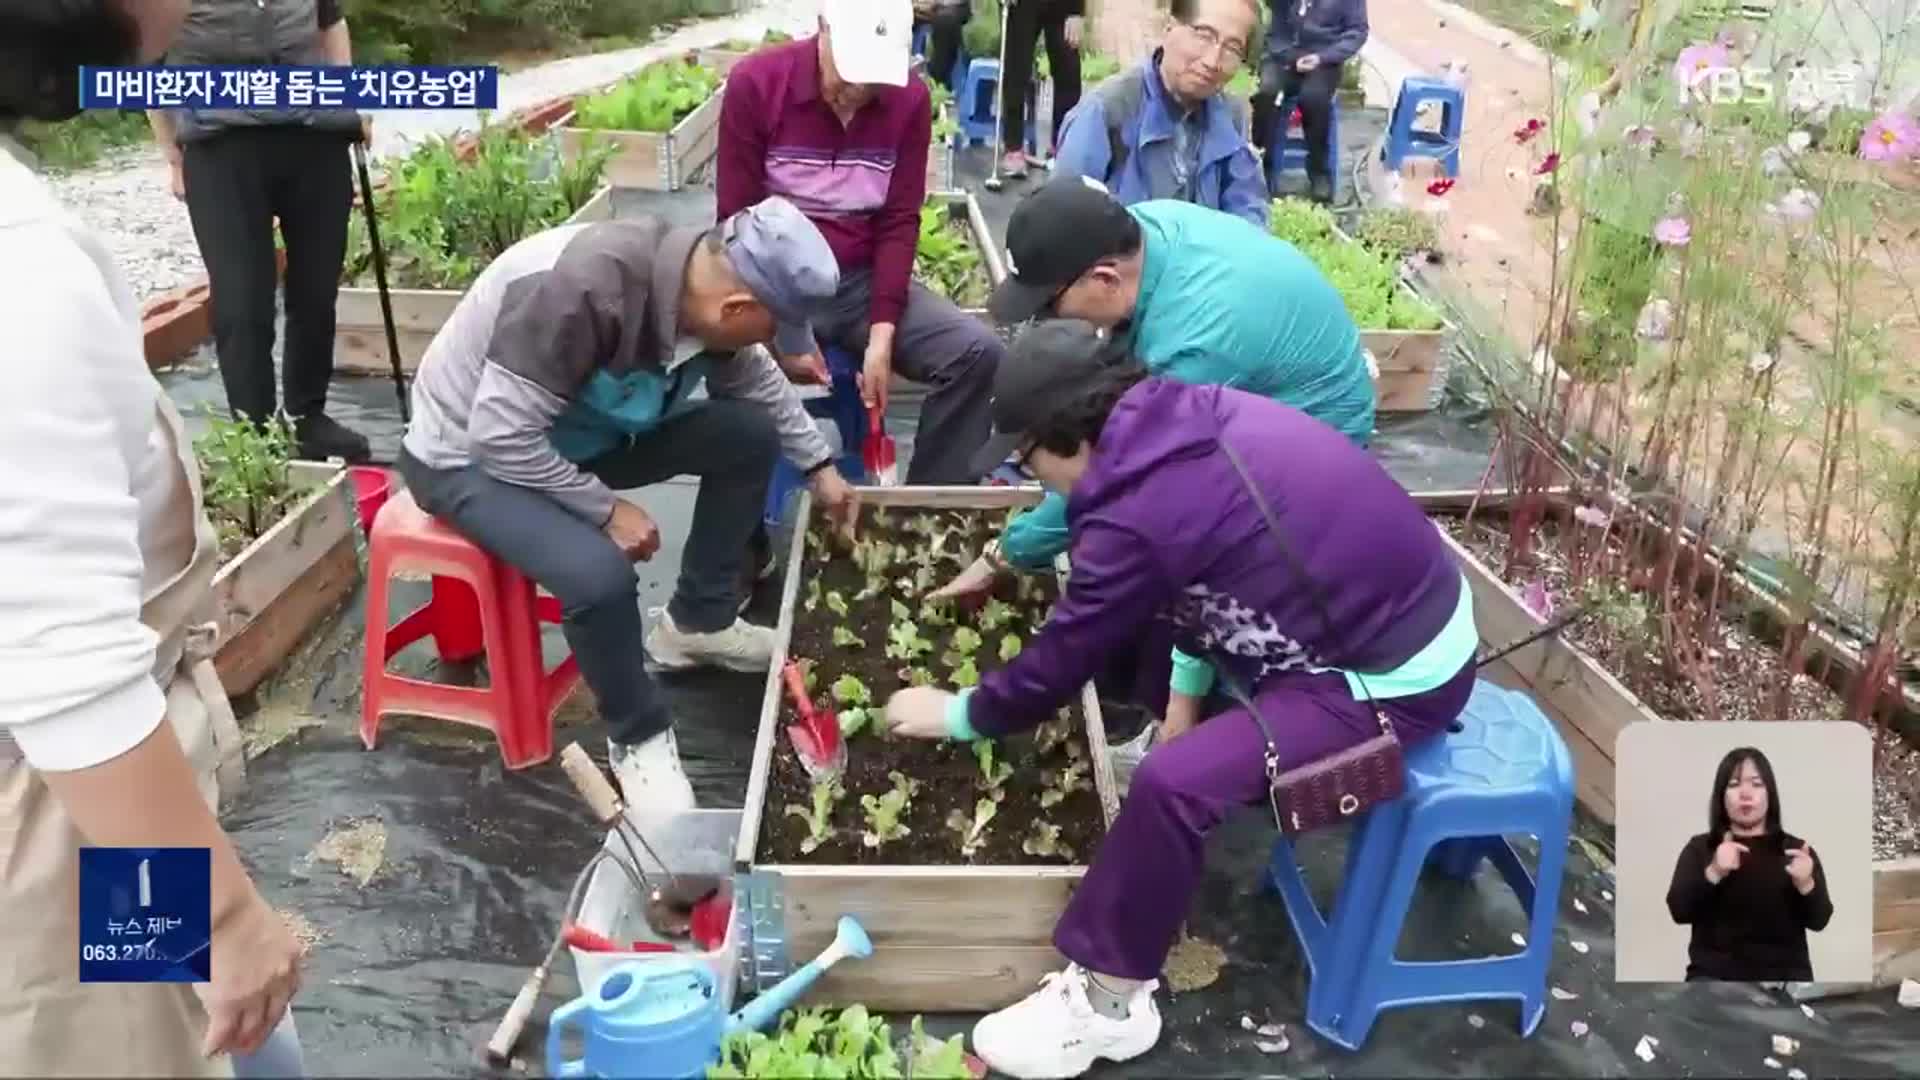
x: 371, y: 486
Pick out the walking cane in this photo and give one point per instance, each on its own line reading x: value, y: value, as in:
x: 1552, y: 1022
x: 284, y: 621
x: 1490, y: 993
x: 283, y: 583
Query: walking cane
x: 380, y: 276
x: 993, y: 181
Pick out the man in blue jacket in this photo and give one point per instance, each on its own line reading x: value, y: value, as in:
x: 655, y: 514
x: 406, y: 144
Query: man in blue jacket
x: 1163, y: 129
x: 1308, y: 43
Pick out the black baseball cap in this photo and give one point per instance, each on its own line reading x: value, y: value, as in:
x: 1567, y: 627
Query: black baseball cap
x: 1049, y: 364
x: 1055, y: 235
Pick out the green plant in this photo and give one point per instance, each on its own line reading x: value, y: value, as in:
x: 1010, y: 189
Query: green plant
x: 1043, y: 840
x: 1395, y: 232
x: 85, y: 139
x: 850, y: 1045
x: 655, y: 99
x: 995, y: 615
x: 819, y: 817
x: 813, y: 594
x: 972, y: 831
x: 1051, y: 733
x: 966, y: 674
x: 1009, y: 648
x: 905, y: 643
x: 885, y: 811
x: 1063, y: 783
x: 994, y: 773
x: 1367, y: 280
x: 248, y: 478
x: 844, y: 638
x: 946, y: 260
x: 444, y: 217
x: 836, y: 603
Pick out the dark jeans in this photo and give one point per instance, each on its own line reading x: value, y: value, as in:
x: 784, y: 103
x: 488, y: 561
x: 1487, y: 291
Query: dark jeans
x: 947, y: 22
x: 937, y: 344
x: 1312, y: 92
x: 729, y: 445
x: 238, y: 183
x: 1026, y: 21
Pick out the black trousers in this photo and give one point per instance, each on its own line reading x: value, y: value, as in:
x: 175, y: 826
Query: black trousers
x: 1027, y: 20
x: 239, y: 182
x: 944, y: 37
x: 1312, y: 92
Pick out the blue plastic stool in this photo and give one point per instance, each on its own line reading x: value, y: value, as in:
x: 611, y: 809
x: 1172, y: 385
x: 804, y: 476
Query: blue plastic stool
x: 1500, y: 770
x: 1290, y: 152
x: 848, y: 414
x: 1404, y: 142
x: 978, y: 102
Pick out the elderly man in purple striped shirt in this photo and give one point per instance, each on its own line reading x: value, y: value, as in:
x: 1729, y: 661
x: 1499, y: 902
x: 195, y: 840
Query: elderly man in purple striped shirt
x: 836, y: 124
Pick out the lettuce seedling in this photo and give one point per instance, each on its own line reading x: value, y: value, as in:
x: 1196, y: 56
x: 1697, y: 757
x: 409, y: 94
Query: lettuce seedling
x: 846, y: 639
x: 965, y: 641
x: 813, y: 594
x: 995, y: 615
x: 1044, y: 841
x: 1053, y: 732
x: 880, y: 518
x: 901, y: 612
x: 819, y: 818
x: 932, y: 614
x: 873, y: 556
x: 849, y: 690
x: 1009, y: 648
x: 972, y: 833
x: 932, y: 1059
x: 923, y: 580
x: 905, y: 643
x: 966, y: 674
x: 918, y: 676
x: 885, y: 811
x: 837, y: 604
x: 854, y: 721
x: 1066, y: 781
x: 993, y: 773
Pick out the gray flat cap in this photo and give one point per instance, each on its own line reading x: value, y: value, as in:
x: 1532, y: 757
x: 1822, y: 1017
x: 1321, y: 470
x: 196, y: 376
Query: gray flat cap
x: 782, y: 258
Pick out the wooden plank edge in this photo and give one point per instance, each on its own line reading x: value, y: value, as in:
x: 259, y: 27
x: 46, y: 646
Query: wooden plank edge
x: 280, y: 557
x: 767, y: 736
x: 247, y: 659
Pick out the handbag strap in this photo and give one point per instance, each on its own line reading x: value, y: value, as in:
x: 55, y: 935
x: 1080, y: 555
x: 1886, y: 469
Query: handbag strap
x: 1306, y: 580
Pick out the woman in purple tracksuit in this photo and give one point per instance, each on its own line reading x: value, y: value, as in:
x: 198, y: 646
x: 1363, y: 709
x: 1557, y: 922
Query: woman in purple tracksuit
x: 1162, y: 528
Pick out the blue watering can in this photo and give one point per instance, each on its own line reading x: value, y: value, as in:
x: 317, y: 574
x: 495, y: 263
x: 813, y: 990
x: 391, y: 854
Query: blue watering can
x: 662, y: 1018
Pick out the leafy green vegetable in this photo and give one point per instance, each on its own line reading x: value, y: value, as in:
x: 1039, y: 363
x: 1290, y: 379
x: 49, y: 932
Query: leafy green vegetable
x: 844, y: 638
x: 1009, y: 648
x: 849, y: 690
x: 884, y: 812
x: 1052, y: 733
x: 972, y: 832
x: 1064, y: 783
x: 854, y: 721
x: 1367, y: 280
x: 819, y: 818
x: 853, y: 1045
x: 905, y: 643
x: 444, y: 215
x: 965, y: 641
x: 993, y: 774
x: 946, y: 260
x: 966, y: 674
x: 248, y: 475
x: 837, y: 604
x: 933, y: 1059
x: 996, y: 615
x: 1044, y: 841
x: 654, y: 100
x: 813, y: 594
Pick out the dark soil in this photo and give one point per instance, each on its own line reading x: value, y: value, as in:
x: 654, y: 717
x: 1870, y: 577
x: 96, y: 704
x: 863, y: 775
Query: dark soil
x: 1744, y: 669
x: 948, y: 773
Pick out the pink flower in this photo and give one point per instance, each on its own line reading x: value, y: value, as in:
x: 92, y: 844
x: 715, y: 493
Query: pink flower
x: 1525, y: 132
x: 1440, y: 186
x: 1639, y: 135
x: 1694, y: 63
x: 1891, y: 136
x: 1547, y: 164
x: 1536, y: 598
x: 1672, y: 231
x: 1592, y: 516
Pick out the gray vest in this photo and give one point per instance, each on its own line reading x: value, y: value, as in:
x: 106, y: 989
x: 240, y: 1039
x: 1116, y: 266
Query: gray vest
x: 252, y: 32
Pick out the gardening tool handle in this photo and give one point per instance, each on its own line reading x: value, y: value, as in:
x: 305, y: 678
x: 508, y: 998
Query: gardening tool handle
x: 500, y: 1047
x: 380, y: 276
x: 591, y: 783
x: 797, y: 689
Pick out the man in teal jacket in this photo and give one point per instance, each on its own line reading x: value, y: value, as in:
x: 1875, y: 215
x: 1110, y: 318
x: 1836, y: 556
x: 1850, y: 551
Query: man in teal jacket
x: 1196, y: 295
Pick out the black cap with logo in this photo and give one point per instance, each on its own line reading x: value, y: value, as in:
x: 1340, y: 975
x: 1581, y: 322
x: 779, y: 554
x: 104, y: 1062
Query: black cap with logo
x: 1055, y: 235
x: 1048, y: 366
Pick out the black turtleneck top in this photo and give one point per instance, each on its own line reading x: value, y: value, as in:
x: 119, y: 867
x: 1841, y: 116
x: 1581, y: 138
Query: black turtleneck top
x: 1752, y: 927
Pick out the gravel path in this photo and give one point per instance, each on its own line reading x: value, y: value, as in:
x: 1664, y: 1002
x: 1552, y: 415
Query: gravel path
x: 125, y: 200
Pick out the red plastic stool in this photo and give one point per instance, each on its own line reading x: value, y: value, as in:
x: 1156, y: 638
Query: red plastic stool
x: 479, y: 604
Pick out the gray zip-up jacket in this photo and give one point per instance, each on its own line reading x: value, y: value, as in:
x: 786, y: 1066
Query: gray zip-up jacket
x: 567, y: 345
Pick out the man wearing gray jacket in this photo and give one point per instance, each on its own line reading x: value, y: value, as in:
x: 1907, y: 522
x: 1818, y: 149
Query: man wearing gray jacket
x: 569, y: 371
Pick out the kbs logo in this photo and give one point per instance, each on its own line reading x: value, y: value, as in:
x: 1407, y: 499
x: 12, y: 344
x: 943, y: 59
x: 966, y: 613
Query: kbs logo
x: 1806, y: 87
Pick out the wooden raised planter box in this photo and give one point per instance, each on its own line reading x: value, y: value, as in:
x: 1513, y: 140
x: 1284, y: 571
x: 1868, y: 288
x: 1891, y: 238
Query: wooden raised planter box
x: 650, y: 160
x: 1590, y: 707
x: 963, y: 206
x: 965, y: 938
x: 279, y: 587
x: 360, y: 335
x: 1408, y: 360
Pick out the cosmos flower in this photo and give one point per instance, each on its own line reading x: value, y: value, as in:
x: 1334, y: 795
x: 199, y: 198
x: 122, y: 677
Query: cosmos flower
x: 1441, y: 186
x: 1696, y: 60
x: 1672, y: 231
x: 1547, y: 164
x: 1526, y: 132
x: 1891, y: 136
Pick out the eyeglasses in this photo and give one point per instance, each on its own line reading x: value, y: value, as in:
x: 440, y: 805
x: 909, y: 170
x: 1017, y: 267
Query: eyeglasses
x: 1211, y: 39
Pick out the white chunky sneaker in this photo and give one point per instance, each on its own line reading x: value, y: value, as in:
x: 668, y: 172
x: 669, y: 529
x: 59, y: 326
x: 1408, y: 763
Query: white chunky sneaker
x: 740, y: 647
x: 1055, y: 1033
x: 652, y: 783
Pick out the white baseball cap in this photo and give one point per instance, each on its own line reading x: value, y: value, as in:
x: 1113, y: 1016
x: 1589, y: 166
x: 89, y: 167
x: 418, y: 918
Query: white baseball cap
x: 872, y: 39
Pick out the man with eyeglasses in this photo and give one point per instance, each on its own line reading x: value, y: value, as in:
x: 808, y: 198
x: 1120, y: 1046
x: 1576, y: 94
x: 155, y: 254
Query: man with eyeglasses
x: 1163, y: 130
x: 1196, y: 296
x: 1308, y: 43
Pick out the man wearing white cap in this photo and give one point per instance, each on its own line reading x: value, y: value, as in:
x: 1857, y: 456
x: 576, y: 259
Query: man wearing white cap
x: 835, y: 124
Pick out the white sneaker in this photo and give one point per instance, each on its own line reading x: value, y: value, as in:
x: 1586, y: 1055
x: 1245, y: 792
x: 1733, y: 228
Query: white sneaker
x: 652, y: 783
x: 740, y: 647
x: 1054, y: 1031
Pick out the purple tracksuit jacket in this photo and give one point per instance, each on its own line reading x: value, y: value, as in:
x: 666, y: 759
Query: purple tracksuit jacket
x: 1162, y: 527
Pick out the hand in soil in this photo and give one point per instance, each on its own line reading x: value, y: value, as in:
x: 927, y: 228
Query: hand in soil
x: 837, y: 497
x: 1726, y: 858
x: 975, y: 580
x: 918, y: 712
x: 633, y: 531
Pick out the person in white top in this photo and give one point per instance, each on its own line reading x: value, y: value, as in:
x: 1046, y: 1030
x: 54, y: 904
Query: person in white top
x: 112, y: 723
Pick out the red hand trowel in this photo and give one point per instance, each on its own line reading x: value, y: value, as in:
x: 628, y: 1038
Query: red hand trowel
x: 816, y: 738
x: 878, y: 453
